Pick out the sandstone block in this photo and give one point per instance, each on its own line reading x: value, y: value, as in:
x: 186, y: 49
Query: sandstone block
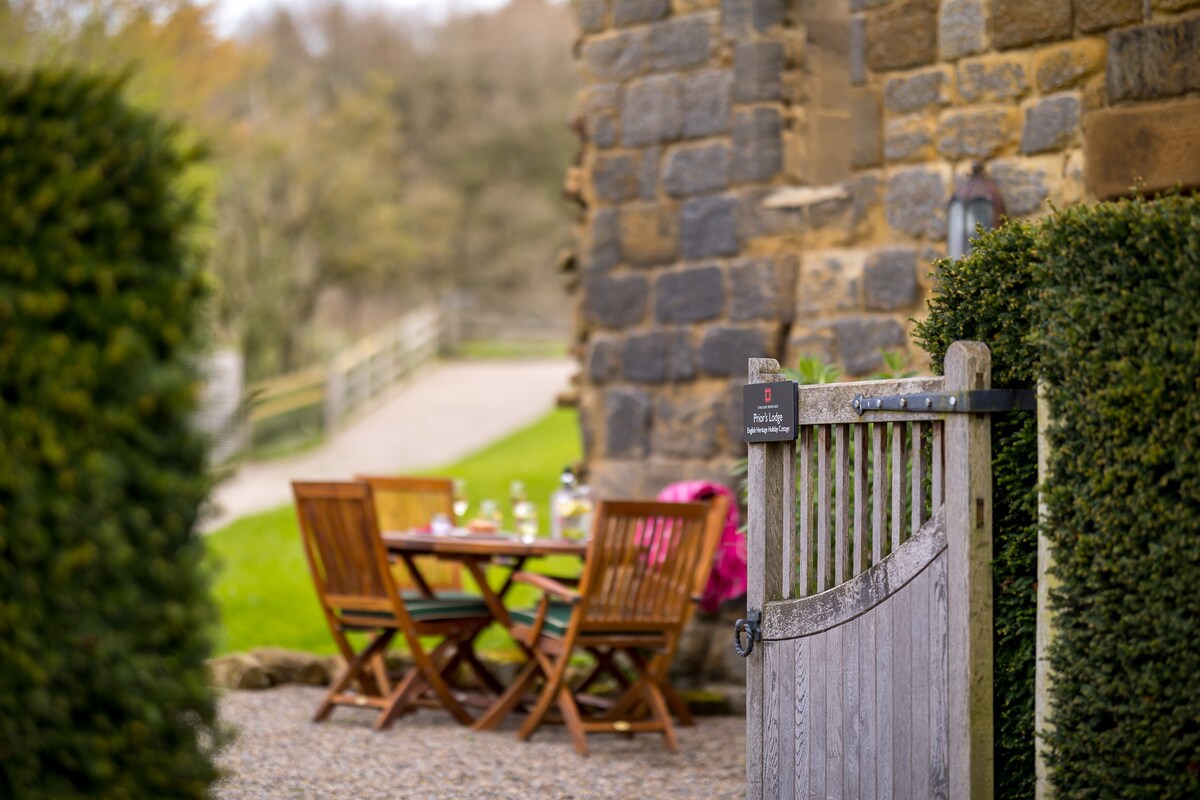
x: 757, y: 145
x: 237, y: 671
x: 662, y: 355
x: 858, y: 50
x: 626, y: 423
x: 1016, y: 23
x: 993, y: 79
x: 756, y: 220
x: 603, y: 359
x: 590, y: 14
x: 977, y: 133
x: 601, y: 109
x: 600, y: 243
x: 1100, y: 15
x: 829, y: 283
x: 1157, y: 144
x: 652, y: 111
x: 903, y: 35
x: 915, y: 201
x: 1024, y: 184
x: 1154, y: 60
x: 707, y: 103
x: 908, y: 138
x: 761, y: 288
x: 615, y: 57
x: 697, y: 169
x: 684, y: 427
x: 681, y: 42
x: 648, y: 234
x: 758, y: 71
x: 743, y: 18
x: 866, y: 125
x: 1064, y: 65
x: 890, y: 280
x: 615, y: 302
x: 615, y: 178
x: 689, y: 295
x: 1174, y: 5
x: 724, y: 350
x: 863, y: 5
x: 629, y: 12
x: 1051, y: 124
x: 708, y: 228
x: 962, y: 29
x: 861, y: 340
x: 917, y: 92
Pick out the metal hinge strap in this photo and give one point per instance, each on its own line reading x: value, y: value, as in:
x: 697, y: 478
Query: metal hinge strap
x: 977, y: 401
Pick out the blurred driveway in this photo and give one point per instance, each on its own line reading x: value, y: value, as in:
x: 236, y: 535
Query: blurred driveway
x: 450, y: 410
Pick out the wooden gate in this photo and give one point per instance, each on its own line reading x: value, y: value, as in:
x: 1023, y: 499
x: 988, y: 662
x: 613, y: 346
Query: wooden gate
x: 870, y: 586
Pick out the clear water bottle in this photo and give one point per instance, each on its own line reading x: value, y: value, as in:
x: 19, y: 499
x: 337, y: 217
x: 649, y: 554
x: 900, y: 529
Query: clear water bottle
x: 571, y: 508
x: 524, y: 512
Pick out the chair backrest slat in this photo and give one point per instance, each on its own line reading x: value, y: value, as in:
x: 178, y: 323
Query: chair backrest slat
x: 405, y: 503
x: 646, y: 561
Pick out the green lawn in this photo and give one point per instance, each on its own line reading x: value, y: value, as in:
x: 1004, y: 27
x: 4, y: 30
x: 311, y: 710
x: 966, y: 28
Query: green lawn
x: 262, y: 584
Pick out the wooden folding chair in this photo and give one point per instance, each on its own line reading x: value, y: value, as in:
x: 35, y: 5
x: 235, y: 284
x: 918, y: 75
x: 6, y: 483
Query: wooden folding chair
x: 643, y: 567
x: 405, y: 503
x: 357, y: 593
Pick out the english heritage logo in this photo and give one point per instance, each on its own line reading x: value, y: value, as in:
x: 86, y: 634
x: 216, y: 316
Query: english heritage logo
x: 767, y: 395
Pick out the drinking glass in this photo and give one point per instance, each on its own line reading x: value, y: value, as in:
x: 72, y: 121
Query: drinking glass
x: 461, y: 501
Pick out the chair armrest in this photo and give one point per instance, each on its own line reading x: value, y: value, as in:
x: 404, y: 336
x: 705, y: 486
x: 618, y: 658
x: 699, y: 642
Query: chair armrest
x: 548, y: 585
x: 696, y: 598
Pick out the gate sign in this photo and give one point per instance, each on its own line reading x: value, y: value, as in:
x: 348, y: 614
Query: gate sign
x: 769, y: 411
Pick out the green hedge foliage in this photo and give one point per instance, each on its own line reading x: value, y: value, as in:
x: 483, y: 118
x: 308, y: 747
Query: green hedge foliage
x: 987, y: 297
x: 105, y: 620
x: 1120, y: 349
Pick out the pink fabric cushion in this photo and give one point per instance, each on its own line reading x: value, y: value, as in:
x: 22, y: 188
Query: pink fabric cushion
x: 728, y: 577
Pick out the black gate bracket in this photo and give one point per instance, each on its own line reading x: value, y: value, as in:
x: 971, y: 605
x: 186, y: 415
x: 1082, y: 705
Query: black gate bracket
x: 753, y: 634
x: 977, y: 401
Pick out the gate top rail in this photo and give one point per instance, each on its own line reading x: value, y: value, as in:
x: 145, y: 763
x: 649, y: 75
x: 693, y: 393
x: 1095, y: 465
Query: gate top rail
x: 833, y: 403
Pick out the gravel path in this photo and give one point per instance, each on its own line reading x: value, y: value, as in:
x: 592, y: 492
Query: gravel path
x: 280, y: 755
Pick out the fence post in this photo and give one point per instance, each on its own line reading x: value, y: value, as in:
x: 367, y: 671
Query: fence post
x: 771, y: 503
x: 969, y: 578
x: 335, y: 395
x: 1046, y: 582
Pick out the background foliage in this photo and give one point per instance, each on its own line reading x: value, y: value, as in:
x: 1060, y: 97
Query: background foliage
x: 1120, y: 349
x: 104, y: 610
x: 987, y: 296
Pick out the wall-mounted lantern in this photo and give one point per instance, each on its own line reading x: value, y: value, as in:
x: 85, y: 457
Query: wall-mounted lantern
x: 976, y: 202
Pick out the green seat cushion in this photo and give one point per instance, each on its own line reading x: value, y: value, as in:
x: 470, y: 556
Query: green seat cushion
x: 429, y: 610
x: 411, y: 595
x: 558, y: 617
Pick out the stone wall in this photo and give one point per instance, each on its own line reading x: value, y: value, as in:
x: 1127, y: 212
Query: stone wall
x: 770, y: 177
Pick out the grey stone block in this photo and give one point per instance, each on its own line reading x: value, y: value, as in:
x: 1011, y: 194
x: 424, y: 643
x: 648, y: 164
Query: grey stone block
x: 890, y: 280
x: 755, y: 220
x: 973, y: 134
x: 626, y: 423
x: 916, y: 92
x: 906, y: 139
x: 1051, y: 124
x: 615, y: 302
x: 628, y: 12
x: 601, y: 249
x: 744, y: 18
x: 860, y: 340
x: 697, y: 169
x: 1154, y: 60
x: 1016, y: 23
x: 615, y: 58
x: 758, y: 71
x: 649, y: 176
x: 962, y: 29
x: 980, y: 81
x: 604, y: 359
x: 590, y: 14
x: 915, y: 201
x: 858, y: 50
x: 681, y: 42
x: 903, y: 35
x: 1023, y: 188
x: 759, y: 289
x: 652, y: 111
x: 866, y: 121
x: 601, y: 109
x: 615, y: 178
x: 684, y: 427
x: 707, y: 106
x: 724, y: 350
x: 690, y: 295
x: 708, y: 228
x: 757, y: 145
x: 658, y: 356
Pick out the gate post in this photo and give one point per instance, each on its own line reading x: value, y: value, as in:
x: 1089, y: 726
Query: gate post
x: 969, y: 578
x: 770, y: 569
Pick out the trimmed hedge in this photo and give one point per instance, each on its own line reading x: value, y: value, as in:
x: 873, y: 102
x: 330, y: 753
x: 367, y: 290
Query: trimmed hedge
x: 1120, y: 350
x: 987, y: 297
x: 105, y: 619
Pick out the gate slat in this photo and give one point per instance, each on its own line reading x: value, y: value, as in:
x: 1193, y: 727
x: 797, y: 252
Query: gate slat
x: 939, y: 717
x: 824, y: 564
x: 851, y: 701
x: 804, y: 489
x: 834, y: 698
x: 861, y: 506
x: 902, y: 691
x: 816, y: 750
x: 899, y: 471
x: 779, y: 780
x: 884, y: 698
x: 867, y: 704
x: 919, y: 627
x: 939, y: 479
x: 918, y: 476
x: 801, y: 708
x: 879, y: 504
x: 841, y: 481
